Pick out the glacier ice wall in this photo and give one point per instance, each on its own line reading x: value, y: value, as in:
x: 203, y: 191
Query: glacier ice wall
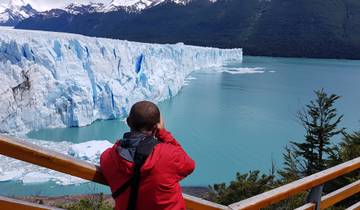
x: 63, y: 80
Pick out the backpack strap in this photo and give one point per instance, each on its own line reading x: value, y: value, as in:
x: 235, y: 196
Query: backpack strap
x: 143, y: 150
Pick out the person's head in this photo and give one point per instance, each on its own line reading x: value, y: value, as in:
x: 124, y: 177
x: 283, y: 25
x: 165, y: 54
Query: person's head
x: 144, y: 117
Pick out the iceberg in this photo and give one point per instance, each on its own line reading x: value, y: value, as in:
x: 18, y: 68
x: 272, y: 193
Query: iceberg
x: 89, y: 151
x: 53, y: 80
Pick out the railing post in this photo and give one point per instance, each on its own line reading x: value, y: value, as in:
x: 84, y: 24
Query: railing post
x: 315, y: 196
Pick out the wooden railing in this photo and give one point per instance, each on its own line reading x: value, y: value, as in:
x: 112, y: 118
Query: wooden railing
x: 31, y: 153
x: 310, y: 182
x: 13, y: 204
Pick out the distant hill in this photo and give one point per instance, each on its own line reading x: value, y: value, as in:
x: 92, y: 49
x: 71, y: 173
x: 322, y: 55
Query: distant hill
x: 289, y: 28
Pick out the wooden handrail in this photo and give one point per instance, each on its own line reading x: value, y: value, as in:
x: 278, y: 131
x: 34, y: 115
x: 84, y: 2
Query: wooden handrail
x: 194, y: 203
x: 9, y: 203
x: 356, y: 206
x: 334, y: 197
x: 25, y: 151
x: 288, y: 190
x: 340, y: 194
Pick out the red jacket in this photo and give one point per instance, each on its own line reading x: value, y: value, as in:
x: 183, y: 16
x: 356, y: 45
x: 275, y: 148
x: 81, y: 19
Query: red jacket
x: 160, y: 175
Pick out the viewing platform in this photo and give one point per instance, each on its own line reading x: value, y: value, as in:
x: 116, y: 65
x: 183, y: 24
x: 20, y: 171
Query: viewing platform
x: 25, y: 151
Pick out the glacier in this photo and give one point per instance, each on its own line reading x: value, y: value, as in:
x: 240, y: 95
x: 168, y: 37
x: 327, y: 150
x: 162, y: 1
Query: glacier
x: 53, y: 80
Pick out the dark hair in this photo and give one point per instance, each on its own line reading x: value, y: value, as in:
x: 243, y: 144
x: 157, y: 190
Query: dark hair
x: 144, y: 116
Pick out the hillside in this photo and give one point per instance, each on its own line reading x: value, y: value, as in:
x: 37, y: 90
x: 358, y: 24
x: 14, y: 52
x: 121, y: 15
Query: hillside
x: 296, y: 28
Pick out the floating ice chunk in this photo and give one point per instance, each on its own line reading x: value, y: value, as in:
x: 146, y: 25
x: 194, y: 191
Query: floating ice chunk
x: 35, y: 177
x: 89, y: 151
x: 10, y: 175
x: 256, y: 70
x: 237, y: 70
x: 190, y: 78
x: 62, y: 179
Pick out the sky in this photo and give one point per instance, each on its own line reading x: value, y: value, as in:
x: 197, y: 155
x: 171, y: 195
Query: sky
x: 42, y: 5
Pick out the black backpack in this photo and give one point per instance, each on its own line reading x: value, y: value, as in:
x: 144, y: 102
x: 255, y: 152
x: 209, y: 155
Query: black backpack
x: 143, y: 150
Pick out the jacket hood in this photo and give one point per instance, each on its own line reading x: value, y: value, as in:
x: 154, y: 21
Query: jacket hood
x: 127, y: 148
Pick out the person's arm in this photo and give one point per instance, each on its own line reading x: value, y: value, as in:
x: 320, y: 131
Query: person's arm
x: 166, y: 137
x: 183, y: 163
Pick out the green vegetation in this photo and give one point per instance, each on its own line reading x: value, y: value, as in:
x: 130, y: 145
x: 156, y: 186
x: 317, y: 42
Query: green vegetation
x: 315, y: 153
x: 96, y: 202
x: 320, y: 122
x: 244, y: 186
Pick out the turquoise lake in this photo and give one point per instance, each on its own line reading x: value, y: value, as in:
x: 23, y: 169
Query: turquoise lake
x: 229, y: 122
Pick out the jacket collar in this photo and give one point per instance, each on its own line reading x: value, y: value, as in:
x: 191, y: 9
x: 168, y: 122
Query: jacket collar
x: 129, y: 144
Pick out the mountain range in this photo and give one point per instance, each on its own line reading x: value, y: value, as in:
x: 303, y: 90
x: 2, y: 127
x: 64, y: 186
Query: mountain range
x: 15, y: 11
x: 287, y: 28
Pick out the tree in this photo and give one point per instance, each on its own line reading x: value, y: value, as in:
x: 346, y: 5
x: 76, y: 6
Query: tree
x: 350, y: 147
x: 320, y: 121
x: 290, y: 171
x: 315, y: 153
x: 244, y: 186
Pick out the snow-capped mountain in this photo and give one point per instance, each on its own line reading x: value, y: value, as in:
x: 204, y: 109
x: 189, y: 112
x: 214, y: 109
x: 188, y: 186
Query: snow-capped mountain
x: 115, y: 5
x: 131, y: 5
x: 76, y: 9
x: 15, y: 11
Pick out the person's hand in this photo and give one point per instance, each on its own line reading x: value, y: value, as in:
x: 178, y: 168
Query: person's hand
x: 161, y: 124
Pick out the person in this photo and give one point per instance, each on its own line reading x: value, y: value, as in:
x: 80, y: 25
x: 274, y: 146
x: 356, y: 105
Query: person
x: 162, y: 168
